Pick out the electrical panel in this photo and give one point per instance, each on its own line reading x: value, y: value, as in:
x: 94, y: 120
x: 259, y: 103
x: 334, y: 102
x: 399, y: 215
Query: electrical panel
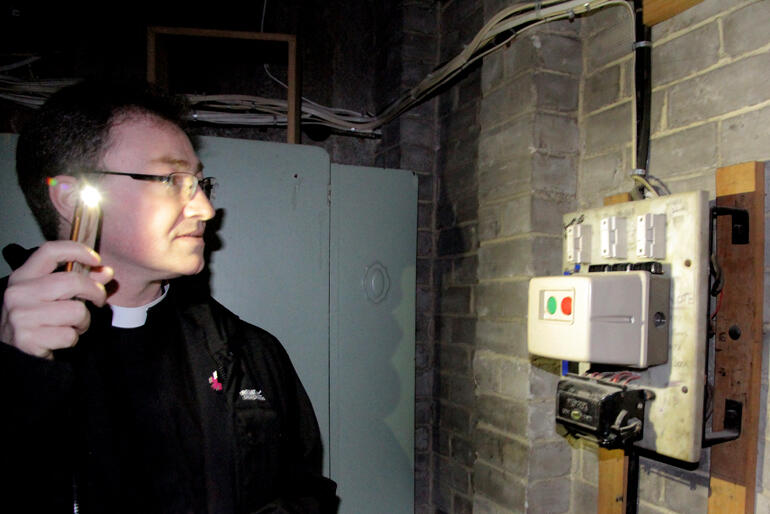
x: 633, y: 297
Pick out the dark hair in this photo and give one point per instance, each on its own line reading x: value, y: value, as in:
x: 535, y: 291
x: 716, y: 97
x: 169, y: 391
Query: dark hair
x: 71, y: 132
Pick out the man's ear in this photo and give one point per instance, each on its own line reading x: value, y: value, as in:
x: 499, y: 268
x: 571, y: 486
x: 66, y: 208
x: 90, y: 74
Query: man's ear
x: 63, y: 190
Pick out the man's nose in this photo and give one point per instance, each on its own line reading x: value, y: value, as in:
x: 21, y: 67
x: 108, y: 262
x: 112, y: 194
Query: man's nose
x: 199, y: 206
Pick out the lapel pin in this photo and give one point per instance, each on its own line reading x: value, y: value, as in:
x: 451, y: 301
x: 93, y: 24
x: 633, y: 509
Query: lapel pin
x: 216, y: 385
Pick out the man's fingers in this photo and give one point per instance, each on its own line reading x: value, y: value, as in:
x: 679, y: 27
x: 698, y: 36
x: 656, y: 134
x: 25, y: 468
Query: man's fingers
x: 102, y: 274
x: 70, y: 313
x: 53, y: 287
x: 55, y: 338
x: 50, y: 255
x: 43, y: 310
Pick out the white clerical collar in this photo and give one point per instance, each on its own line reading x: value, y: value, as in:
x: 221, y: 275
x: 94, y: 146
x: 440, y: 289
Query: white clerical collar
x: 134, y: 317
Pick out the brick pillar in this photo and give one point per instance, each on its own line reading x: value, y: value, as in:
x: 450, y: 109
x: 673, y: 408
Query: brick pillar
x: 527, y: 168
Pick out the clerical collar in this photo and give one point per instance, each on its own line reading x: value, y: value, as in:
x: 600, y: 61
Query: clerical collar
x: 134, y: 317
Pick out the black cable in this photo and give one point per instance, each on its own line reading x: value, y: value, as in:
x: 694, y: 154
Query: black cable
x: 643, y: 79
x: 632, y: 484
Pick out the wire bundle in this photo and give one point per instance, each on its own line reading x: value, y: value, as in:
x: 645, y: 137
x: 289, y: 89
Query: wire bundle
x: 31, y: 93
x: 616, y: 377
x: 498, y: 32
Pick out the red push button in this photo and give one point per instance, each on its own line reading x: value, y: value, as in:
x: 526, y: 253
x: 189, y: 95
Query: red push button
x: 566, y: 305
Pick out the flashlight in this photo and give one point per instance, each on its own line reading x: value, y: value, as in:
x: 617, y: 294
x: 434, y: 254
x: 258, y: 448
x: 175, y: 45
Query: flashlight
x: 86, y: 223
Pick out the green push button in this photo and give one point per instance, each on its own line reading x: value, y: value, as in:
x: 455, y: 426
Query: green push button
x: 551, y: 305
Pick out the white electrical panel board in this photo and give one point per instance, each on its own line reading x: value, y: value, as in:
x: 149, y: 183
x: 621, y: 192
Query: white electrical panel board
x: 670, y: 235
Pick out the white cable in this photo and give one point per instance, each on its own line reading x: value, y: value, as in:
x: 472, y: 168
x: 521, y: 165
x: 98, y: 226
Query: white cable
x: 13, y: 66
x: 499, y: 23
x: 646, y: 184
x: 240, y: 109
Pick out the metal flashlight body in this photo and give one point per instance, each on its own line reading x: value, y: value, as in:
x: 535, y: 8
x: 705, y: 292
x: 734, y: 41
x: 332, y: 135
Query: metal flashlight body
x: 86, y: 223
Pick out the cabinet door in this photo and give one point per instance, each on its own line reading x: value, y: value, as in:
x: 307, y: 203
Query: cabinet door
x: 373, y: 249
x: 273, y: 267
x: 17, y: 225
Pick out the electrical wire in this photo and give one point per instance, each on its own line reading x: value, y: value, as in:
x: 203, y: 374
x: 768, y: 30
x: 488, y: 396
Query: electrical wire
x: 719, y: 304
x: 662, y: 184
x: 19, y: 64
x: 644, y: 182
x: 505, y: 26
x: 31, y: 93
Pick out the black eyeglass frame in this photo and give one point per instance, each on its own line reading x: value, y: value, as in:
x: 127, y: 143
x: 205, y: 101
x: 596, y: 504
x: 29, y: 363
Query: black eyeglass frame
x: 206, y: 184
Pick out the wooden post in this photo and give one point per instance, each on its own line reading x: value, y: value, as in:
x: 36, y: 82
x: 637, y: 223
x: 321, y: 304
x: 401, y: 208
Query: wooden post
x: 613, y: 481
x: 738, y: 340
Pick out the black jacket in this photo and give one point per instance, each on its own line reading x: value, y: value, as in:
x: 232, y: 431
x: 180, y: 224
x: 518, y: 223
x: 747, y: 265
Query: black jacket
x: 262, y: 449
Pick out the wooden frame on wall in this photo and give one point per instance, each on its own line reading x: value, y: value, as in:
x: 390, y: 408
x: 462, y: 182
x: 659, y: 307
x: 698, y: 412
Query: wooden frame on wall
x: 156, y: 55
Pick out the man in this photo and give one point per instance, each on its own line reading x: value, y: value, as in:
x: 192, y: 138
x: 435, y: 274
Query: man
x: 127, y: 391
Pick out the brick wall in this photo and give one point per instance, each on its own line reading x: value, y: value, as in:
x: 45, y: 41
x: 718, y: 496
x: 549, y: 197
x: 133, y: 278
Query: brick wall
x: 711, y: 108
x: 408, y: 50
x: 505, y: 173
x: 455, y: 267
x: 527, y: 156
x: 538, y: 129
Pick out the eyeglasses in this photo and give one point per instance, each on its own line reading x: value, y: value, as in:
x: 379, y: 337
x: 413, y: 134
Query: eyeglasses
x: 184, y: 185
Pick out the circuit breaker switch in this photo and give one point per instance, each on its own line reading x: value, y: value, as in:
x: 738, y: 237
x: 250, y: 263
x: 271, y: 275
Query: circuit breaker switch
x: 651, y: 236
x: 579, y: 243
x: 613, y: 237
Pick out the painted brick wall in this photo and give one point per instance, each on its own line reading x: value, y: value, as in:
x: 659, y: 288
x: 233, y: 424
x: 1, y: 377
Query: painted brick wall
x: 711, y: 108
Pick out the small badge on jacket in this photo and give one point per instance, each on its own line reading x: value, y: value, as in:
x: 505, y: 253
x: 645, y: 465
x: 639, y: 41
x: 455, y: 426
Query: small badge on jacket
x: 252, y: 394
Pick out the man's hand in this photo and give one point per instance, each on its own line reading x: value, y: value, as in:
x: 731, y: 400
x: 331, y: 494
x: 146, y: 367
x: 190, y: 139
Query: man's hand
x: 40, y: 310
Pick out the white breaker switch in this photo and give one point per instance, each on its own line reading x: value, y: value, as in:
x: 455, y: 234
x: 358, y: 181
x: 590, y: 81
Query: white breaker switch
x: 651, y: 236
x: 613, y: 237
x: 579, y: 243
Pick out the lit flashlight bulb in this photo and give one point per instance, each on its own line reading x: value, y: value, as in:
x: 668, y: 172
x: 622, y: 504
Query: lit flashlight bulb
x: 86, y: 222
x: 90, y: 196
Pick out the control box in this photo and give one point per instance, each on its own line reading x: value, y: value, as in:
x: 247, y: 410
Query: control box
x: 622, y: 263
x: 609, y: 318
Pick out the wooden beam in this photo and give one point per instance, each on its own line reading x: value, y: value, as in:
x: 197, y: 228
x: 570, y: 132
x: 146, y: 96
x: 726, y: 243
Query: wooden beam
x: 656, y: 11
x: 618, y: 198
x: 726, y: 496
x: 737, y: 179
x: 226, y: 34
x: 738, y: 340
x: 152, y: 57
x: 294, y: 110
x: 613, y: 481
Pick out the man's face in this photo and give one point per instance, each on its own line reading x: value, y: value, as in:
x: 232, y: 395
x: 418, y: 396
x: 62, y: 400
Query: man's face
x: 149, y: 233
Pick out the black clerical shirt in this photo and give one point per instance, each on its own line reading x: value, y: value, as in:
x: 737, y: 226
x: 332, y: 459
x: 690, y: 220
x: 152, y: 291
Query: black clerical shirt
x: 142, y: 444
